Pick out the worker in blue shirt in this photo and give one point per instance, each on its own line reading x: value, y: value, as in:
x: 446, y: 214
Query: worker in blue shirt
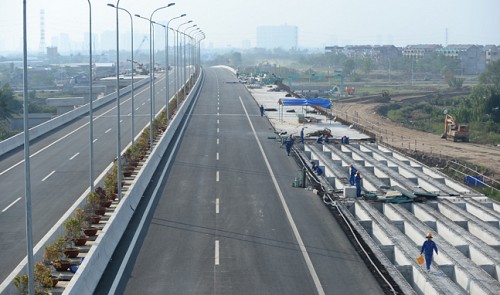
x: 352, y: 172
x: 359, y: 185
x: 302, y: 135
x: 261, y: 110
x: 320, y: 139
x: 313, y: 166
x: 428, y: 249
x: 289, y: 144
x: 319, y: 171
x: 327, y: 138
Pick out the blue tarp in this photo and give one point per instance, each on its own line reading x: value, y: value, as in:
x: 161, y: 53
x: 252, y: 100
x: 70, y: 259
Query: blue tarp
x: 474, y: 180
x: 322, y: 102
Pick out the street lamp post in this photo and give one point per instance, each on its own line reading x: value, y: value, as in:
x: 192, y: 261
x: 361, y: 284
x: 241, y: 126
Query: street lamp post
x: 132, y: 65
x: 27, y: 185
x: 179, y: 57
x: 186, y: 58
x: 166, y: 69
x: 188, y: 54
x: 118, y: 135
x: 151, y: 70
x: 166, y: 57
x: 197, y: 49
x: 184, y: 65
x: 91, y: 108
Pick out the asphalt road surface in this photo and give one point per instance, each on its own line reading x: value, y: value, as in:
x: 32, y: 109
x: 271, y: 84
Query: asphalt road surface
x: 227, y: 219
x: 60, y: 170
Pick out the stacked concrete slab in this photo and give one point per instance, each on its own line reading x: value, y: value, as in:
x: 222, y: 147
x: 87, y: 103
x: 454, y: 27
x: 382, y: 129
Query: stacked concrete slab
x: 465, y: 224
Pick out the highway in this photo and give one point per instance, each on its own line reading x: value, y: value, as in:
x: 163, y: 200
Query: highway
x: 227, y: 220
x: 60, y: 169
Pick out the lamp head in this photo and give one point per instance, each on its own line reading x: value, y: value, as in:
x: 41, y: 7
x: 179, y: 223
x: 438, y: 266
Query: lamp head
x: 170, y: 4
x: 111, y: 5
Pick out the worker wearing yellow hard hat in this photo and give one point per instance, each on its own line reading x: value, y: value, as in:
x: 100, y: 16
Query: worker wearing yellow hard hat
x: 428, y: 248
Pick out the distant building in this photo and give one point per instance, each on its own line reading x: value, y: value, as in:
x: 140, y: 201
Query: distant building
x: 492, y: 53
x: 284, y: 37
x: 376, y: 52
x: 420, y: 50
x: 52, y: 51
x: 472, y: 57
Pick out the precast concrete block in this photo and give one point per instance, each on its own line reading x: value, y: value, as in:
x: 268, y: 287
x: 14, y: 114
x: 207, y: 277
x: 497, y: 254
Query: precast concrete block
x: 385, y: 180
x: 419, y: 168
x: 368, y: 226
x: 394, y: 168
x: 370, y: 169
x: 378, y: 206
x: 400, y: 224
x: 307, y: 153
x: 344, y: 169
x: 464, y: 249
x: 406, y: 271
x: 370, y: 154
x: 494, y: 223
x: 490, y: 269
x: 349, y: 192
x: 388, y: 251
x: 413, y: 180
x: 431, y: 224
x: 448, y: 270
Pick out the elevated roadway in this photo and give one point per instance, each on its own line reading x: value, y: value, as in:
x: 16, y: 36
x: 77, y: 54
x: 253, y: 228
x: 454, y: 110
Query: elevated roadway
x: 60, y: 169
x: 227, y: 219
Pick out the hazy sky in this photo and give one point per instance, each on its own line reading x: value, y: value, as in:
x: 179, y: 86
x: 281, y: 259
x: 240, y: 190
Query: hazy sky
x: 231, y: 22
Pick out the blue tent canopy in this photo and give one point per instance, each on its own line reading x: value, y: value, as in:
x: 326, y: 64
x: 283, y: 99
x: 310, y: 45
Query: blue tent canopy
x: 322, y: 102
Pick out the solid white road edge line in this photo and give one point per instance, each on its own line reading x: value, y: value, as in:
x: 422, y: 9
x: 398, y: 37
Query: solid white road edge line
x: 296, y: 233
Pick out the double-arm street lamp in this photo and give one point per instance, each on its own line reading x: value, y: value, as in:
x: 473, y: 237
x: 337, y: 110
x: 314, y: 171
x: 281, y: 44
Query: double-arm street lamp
x: 179, y: 60
x: 132, y: 65
x: 167, y: 63
x: 118, y: 135
x: 151, y: 70
x: 166, y: 66
x: 186, y: 57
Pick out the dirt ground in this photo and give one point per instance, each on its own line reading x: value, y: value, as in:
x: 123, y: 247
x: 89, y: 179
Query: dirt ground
x: 363, y: 113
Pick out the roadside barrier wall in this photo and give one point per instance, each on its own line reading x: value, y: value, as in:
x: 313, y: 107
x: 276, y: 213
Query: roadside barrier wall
x: 90, y: 271
x: 17, y: 140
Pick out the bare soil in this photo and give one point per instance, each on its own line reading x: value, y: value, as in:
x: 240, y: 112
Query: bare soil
x: 362, y: 112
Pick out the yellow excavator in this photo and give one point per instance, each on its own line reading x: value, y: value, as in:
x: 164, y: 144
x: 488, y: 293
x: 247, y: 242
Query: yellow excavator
x: 453, y: 130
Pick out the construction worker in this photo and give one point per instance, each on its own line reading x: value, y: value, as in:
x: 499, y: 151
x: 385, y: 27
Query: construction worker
x: 289, y: 144
x: 261, y: 110
x: 428, y: 249
x: 359, y: 185
x: 319, y: 171
x: 302, y: 135
x: 313, y: 166
x: 352, y: 173
x: 320, y: 139
x: 327, y: 138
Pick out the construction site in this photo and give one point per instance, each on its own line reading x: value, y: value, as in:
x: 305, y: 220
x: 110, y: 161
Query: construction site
x: 402, y: 194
